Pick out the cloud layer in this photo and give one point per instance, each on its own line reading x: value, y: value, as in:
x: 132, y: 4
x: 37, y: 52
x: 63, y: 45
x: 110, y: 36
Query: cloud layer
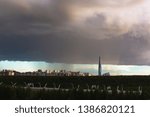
x: 75, y: 31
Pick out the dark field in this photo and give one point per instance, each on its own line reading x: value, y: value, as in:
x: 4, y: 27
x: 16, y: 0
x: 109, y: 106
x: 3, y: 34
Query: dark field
x: 74, y: 88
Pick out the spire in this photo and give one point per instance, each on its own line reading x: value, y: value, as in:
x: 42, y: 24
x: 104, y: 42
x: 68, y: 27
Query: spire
x: 99, y: 67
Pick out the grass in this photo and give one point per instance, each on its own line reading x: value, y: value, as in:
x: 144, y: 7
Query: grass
x: 98, y: 87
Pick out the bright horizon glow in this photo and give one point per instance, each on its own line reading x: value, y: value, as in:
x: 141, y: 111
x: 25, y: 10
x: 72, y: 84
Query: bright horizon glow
x: 24, y: 66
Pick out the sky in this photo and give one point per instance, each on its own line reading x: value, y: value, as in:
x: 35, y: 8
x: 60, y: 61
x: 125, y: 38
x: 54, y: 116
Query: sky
x: 74, y: 33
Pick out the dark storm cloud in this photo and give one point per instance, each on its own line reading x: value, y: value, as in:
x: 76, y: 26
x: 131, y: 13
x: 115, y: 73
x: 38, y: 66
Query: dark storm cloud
x: 64, y: 50
x: 59, y: 31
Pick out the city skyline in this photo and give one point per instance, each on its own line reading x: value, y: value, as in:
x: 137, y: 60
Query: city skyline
x: 27, y: 66
x: 72, y: 34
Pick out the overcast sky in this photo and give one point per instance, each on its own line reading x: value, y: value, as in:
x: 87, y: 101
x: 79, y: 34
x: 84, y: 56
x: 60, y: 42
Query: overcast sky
x: 75, y: 31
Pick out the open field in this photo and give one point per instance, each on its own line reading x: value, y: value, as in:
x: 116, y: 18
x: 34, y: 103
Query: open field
x: 94, y: 87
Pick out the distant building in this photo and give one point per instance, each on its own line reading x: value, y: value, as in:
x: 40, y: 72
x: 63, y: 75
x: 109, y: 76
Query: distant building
x: 99, y: 67
x: 43, y: 73
x: 7, y: 73
x: 106, y: 74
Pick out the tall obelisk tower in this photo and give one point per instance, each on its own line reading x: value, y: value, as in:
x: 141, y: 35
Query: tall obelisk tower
x: 99, y: 67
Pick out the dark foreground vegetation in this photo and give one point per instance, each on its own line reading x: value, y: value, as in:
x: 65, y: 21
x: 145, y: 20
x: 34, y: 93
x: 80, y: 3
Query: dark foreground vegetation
x: 83, y: 88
